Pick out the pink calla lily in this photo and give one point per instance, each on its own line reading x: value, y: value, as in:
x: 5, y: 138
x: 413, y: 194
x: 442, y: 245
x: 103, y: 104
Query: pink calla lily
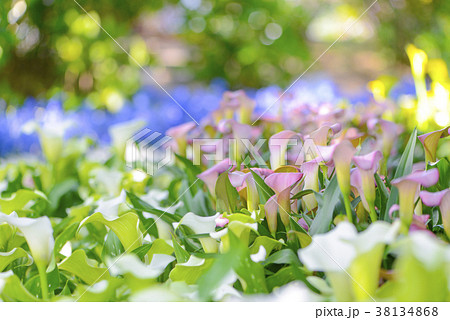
x: 179, y: 134
x: 367, y: 166
x: 209, y: 176
x: 321, y: 135
x: 278, y: 146
x: 270, y: 210
x: 430, y: 142
x: 441, y: 199
x: 238, y: 100
x: 245, y: 180
x: 408, y: 188
x: 281, y: 183
x: 342, y: 159
x: 311, y: 171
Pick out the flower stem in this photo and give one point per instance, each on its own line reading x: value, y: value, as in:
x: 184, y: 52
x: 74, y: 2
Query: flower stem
x: 373, y: 214
x: 348, y: 208
x: 44, y: 283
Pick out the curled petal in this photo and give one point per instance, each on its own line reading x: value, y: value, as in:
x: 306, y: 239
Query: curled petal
x: 181, y: 131
x: 368, y: 162
x: 278, y: 145
x: 424, y: 178
x: 430, y: 142
x: 209, y: 177
x: 432, y: 199
x: 281, y: 181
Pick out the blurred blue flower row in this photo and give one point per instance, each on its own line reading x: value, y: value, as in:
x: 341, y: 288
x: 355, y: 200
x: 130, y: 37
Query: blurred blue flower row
x: 153, y: 106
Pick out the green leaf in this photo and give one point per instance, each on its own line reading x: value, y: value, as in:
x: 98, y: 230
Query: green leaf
x: 126, y: 228
x: 383, y: 195
x: 404, y: 168
x: 20, y: 200
x: 226, y: 194
x: 443, y: 166
x: 181, y: 254
x: 269, y: 244
x: 112, y: 246
x: 327, y: 202
x: 66, y: 235
x: 79, y: 265
x: 285, y: 256
x: 191, y: 271
x: 264, y: 191
x: 159, y: 246
x: 140, y: 205
x: 142, y: 250
x: 14, y: 290
x: 7, y: 257
x: 302, y: 194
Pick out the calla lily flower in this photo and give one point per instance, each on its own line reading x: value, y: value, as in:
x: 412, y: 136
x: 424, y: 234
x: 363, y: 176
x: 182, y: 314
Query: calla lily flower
x: 441, y: 199
x: 281, y: 183
x: 37, y: 232
x: 39, y: 236
x: 179, y: 134
x: 210, y: 176
x: 221, y: 221
x: 368, y: 165
x: 270, y: 210
x: 408, y: 188
x: 341, y: 154
x: 343, y: 252
x: 321, y: 135
x: 430, y: 142
x: 245, y: 180
x: 311, y: 171
x: 202, y: 225
x: 278, y: 146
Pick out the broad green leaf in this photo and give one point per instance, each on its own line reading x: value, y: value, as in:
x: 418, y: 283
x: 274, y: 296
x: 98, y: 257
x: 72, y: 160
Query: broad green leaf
x: 190, y: 271
x: 159, y: 246
x: 327, y: 202
x: 404, y: 168
x: 126, y: 228
x: 68, y: 234
x: 103, y: 291
x: 22, y: 199
x: 33, y: 285
x: 269, y: 244
x: 13, y: 289
x: 285, y: 256
x: 7, y: 257
x: 84, y: 268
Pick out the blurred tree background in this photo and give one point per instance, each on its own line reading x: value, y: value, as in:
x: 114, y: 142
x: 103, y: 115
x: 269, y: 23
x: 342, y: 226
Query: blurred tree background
x: 48, y: 47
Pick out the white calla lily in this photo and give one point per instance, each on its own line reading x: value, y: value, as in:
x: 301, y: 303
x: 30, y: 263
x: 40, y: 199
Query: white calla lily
x: 349, y: 258
x: 202, y: 225
x: 37, y: 232
x: 130, y: 263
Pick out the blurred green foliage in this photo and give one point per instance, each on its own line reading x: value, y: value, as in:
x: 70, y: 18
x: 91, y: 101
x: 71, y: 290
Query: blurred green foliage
x: 50, y: 46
